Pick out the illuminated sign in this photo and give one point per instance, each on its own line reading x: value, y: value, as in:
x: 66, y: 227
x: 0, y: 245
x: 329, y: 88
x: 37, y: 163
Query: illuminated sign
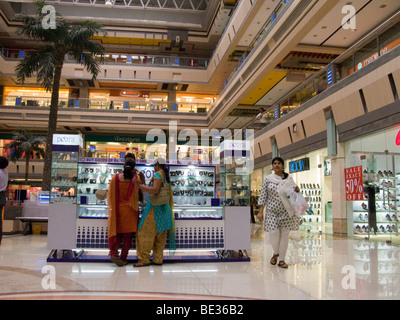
x: 129, y: 93
x: 375, y: 55
x: 398, y: 139
x: 299, y: 165
x: 67, y: 140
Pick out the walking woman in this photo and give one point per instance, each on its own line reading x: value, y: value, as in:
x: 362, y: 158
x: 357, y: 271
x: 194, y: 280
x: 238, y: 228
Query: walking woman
x: 156, y: 220
x: 123, y: 212
x: 278, y: 222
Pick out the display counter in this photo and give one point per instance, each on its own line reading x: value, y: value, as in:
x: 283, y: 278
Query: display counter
x: 199, y: 224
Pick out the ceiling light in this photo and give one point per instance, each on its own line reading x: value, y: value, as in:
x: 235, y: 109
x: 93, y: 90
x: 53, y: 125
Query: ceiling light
x: 108, y: 4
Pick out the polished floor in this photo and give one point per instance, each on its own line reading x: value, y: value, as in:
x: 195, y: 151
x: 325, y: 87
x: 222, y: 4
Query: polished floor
x: 320, y: 268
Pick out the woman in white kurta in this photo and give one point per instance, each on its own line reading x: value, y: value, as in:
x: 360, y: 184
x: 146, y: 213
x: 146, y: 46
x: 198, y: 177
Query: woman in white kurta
x: 277, y: 220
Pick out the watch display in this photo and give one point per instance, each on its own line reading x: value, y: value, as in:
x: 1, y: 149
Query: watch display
x: 192, y: 186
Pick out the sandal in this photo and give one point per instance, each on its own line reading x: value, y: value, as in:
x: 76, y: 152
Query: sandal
x: 274, y: 259
x: 155, y: 264
x: 282, y: 264
x: 118, y: 262
x: 141, y: 264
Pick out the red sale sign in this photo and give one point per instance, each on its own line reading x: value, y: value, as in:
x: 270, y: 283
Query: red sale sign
x: 354, y: 183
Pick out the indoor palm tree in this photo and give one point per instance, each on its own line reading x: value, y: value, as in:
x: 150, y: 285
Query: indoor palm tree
x: 24, y: 144
x: 47, y: 62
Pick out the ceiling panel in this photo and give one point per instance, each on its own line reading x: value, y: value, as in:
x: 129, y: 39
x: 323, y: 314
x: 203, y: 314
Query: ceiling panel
x: 370, y: 14
x: 263, y: 87
x: 277, y: 92
x: 257, y: 23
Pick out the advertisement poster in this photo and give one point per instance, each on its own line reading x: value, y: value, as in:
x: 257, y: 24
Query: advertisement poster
x: 354, y: 183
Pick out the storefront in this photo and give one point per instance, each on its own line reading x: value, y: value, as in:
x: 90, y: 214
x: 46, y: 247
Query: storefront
x: 118, y: 146
x: 377, y: 156
x: 117, y: 99
x: 313, y: 175
x: 34, y: 97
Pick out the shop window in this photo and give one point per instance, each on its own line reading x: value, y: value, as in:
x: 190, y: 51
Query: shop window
x: 377, y: 214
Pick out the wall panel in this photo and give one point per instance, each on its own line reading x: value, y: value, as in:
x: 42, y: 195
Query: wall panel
x: 348, y: 108
x: 378, y: 94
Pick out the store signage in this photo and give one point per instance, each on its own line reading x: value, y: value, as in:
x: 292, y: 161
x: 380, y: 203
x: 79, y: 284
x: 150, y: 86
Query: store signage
x: 122, y: 139
x: 129, y: 93
x: 398, y: 139
x: 354, y: 183
x: 230, y: 145
x: 375, y: 56
x: 299, y: 165
x: 67, y: 140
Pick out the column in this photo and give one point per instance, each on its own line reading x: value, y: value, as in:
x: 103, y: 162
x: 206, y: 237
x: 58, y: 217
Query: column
x: 172, y: 101
x: 2, y: 100
x: 339, y: 212
x: 83, y: 98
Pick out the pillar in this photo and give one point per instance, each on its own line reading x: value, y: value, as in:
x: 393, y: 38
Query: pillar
x: 339, y: 207
x: 172, y: 101
x: 83, y: 98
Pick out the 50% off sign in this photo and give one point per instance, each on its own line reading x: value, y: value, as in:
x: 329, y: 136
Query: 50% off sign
x: 354, y: 183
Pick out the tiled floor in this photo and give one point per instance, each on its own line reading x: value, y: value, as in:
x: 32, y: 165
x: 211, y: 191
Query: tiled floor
x: 320, y: 268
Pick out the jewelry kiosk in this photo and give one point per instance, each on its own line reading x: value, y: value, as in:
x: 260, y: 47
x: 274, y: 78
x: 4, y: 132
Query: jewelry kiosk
x: 78, y: 221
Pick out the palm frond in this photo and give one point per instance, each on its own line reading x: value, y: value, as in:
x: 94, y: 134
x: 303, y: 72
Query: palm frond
x: 40, y: 62
x: 24, y: 143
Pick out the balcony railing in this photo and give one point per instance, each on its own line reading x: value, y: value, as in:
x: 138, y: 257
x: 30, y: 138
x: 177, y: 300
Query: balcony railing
x: 376, y: 44
x: 105, y: 104
x: 124, y: 59
x: 274, y: 17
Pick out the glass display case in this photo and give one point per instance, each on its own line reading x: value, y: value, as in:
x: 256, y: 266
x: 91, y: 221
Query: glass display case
x: 235, y: 174
x: 94, y: 176
x: 192, y: 185
x: 64, y: 171
x: 92, y: 212
x: 235, y: 187
x: 199, y: 213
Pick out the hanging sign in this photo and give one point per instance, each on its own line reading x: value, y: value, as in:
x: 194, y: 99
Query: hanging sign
x: 354, y: 183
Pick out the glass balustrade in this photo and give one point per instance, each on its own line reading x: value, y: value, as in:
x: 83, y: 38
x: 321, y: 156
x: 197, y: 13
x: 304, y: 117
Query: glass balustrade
x: 381, y: 41
x: 102, y: 104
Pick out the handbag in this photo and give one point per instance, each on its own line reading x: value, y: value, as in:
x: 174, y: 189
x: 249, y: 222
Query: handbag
x: 162, y: 196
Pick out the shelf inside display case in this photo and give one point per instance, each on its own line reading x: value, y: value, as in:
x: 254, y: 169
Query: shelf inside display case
x: 387, y: 207
x: 92, y: 212
x: 64, y: 176
x: 192, y: 186
x: 312, y: 219
x: 235, y: 188
x: 93, y: 177
x: 202, y: 213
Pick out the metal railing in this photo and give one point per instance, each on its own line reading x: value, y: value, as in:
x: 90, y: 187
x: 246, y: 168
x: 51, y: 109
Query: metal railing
x: 119, y: 104
x: 265, y: 29
x: 12, y: 54
x: 369, y: 49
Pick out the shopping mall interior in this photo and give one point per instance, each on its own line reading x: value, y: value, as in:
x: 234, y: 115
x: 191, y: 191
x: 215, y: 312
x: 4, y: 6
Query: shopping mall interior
x: 197, y: 83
